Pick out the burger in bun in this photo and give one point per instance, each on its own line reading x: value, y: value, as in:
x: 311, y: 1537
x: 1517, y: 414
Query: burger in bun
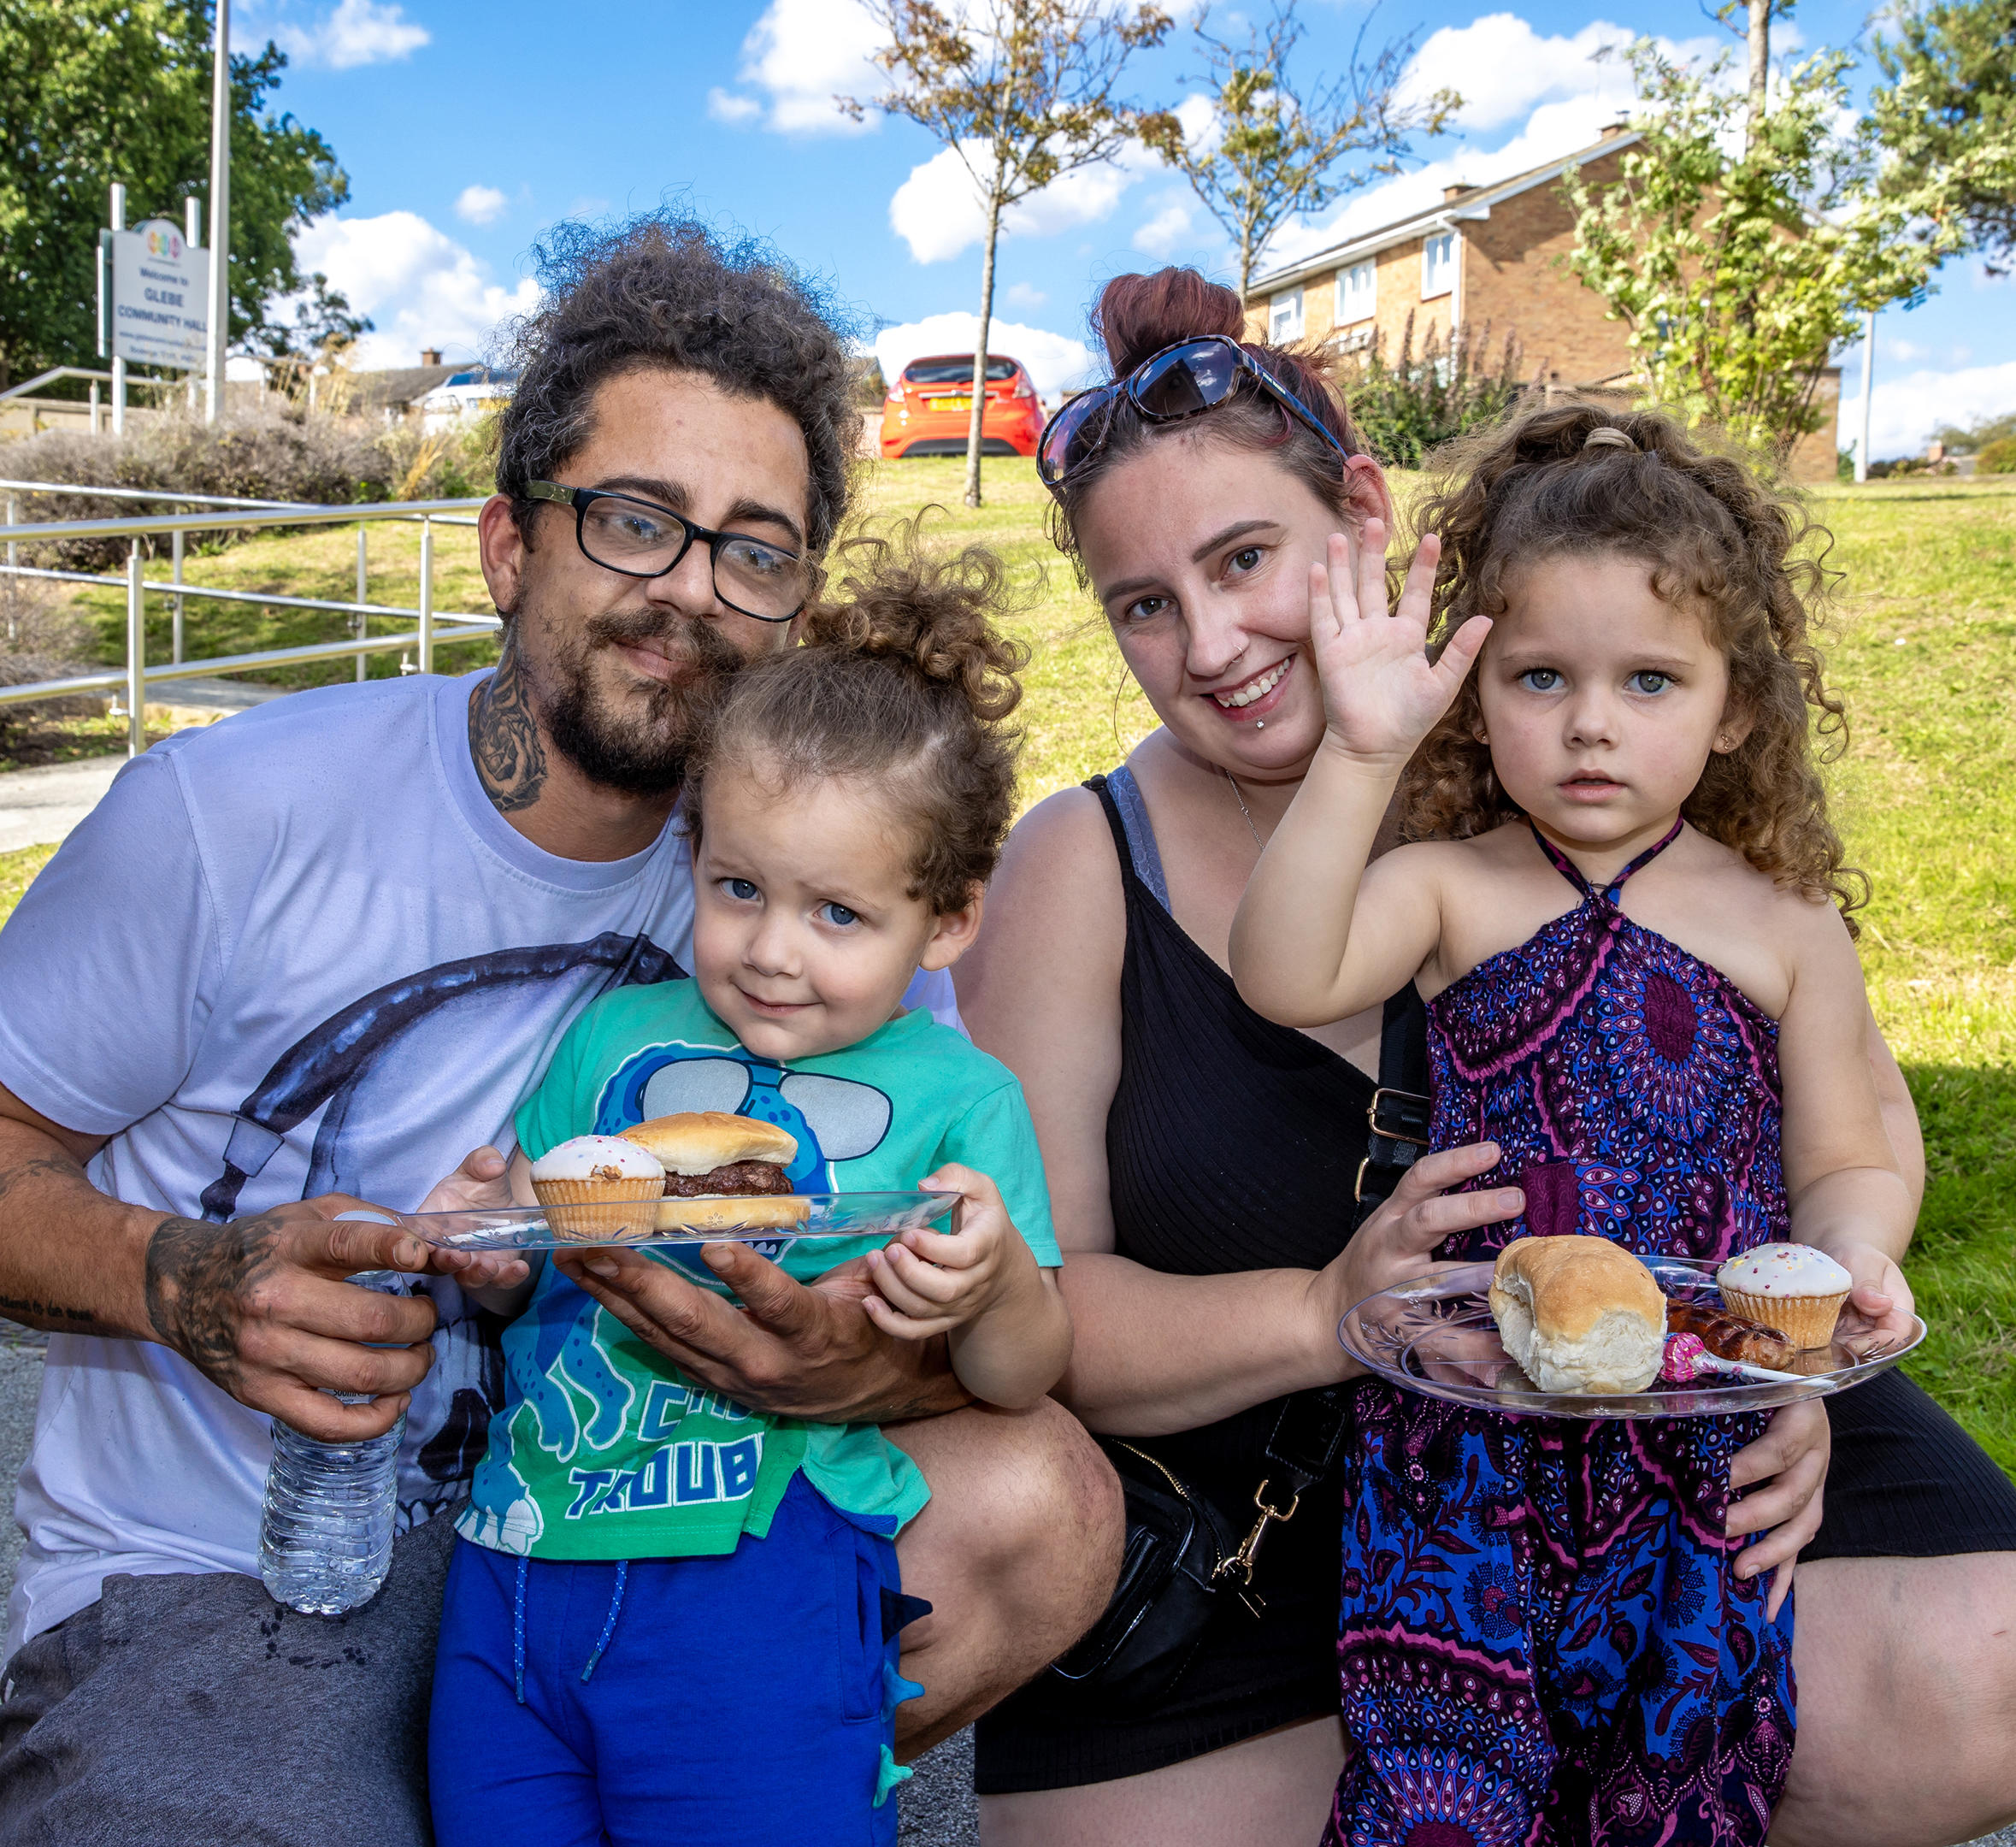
x: 1579, y: 1314
x: 722, y: 1172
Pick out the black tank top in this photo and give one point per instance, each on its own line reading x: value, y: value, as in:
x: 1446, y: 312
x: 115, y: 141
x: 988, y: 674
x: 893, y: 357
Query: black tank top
x: 1232, y: 1143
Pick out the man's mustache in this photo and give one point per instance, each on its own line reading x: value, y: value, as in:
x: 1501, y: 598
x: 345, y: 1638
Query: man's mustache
x: 678, y: 638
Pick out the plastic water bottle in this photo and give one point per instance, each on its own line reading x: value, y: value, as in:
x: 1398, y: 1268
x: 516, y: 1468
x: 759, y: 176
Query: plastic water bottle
x: 326, y: 1530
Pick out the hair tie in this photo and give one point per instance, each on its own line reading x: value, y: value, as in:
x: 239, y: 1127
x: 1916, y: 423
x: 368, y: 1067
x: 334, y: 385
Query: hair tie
x: 1608, y: 436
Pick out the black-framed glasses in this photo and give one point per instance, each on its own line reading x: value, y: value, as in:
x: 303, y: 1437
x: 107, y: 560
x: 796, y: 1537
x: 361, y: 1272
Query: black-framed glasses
x: 1182, y: 380
x: 641, y: 538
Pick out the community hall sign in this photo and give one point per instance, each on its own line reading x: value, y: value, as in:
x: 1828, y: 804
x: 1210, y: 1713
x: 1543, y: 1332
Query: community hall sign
x: 154, y: 296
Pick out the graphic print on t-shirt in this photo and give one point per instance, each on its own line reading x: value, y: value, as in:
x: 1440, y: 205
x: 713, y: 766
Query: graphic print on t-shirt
x: 379, y: 1059
x: 577, y: 1399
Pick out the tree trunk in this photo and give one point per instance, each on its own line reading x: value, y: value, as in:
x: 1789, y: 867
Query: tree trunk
x: 1759, y: 73
x: 1245, y: 264
x: 987, y: 316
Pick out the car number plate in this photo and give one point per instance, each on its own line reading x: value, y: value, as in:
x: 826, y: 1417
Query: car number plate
x: 951, y: 404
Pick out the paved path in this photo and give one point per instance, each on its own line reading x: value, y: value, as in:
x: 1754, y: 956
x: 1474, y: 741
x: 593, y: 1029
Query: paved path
x: 39, y: 807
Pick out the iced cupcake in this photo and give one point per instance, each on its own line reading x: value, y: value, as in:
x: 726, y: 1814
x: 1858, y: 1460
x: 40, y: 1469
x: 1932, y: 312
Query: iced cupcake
x: 593, y: 1187
x: 1791, y: 1287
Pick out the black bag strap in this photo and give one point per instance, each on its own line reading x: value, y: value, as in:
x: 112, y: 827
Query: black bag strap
x: 1398, y: 1115
x: 1307, y: 1434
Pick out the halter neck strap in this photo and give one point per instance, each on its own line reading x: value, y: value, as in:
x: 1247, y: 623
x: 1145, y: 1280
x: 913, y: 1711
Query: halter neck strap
x: 1569, y: 870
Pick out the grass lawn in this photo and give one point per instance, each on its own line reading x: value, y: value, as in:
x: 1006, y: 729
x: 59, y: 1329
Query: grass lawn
x: 1924, y: 652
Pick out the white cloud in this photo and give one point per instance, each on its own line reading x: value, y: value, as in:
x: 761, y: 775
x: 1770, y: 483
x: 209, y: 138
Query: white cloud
x: 357, y: 32
x: 480, y: 204
x: 937, y: 212
x: 1904, y: 411
x: 418, y: 285
x: 735, y: 110
x: 1021, y: 295
x: 1053, y: 360
x: 1504, y: 68
x: 804, y: 53
x: 1169, y: 230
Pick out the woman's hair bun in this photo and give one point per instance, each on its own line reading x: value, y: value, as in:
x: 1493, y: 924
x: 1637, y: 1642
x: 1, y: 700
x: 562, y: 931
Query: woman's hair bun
x: 1137, y: 316
x: 932, y: 612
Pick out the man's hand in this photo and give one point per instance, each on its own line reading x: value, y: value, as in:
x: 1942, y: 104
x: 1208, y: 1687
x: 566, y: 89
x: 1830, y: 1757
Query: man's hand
x: 790, y: 1349
x: 261, y: 1308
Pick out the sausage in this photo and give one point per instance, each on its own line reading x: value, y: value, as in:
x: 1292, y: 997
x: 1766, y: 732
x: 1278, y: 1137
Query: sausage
x: 1730, y: 1337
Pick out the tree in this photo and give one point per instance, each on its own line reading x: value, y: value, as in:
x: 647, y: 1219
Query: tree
x: 96, y: 90
x: 1945, y: 119
x: 1737, y: 273
x: 321, y: 333
x: 1271, y: 150
x: 1023, y: 91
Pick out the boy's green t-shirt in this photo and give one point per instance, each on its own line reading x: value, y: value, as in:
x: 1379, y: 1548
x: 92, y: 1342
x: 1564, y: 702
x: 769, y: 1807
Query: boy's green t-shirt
x: 604, y: 1450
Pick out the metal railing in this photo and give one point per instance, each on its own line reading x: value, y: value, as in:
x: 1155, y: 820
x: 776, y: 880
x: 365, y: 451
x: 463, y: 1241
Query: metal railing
x: 135, y: 675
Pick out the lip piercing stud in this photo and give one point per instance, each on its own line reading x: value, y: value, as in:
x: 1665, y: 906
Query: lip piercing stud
x: 1259, y: 724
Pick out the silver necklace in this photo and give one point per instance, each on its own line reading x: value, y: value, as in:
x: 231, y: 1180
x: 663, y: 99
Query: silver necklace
x: 1232, y: 783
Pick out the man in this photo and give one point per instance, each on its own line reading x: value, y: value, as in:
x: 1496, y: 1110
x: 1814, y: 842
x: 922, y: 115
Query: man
x: 314, y: 956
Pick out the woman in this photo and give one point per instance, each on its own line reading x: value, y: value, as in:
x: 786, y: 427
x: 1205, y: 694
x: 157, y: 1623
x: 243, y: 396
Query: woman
x: 1201, y: 1164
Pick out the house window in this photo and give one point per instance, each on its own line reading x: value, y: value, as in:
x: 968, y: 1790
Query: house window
x: 1284, y: 318
x: 1438, y: 264
x: 1356, y: 292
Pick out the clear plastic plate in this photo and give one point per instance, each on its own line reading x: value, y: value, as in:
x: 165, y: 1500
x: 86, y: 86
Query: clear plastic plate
x: 830, y: 1218
x: 1438, y: 1337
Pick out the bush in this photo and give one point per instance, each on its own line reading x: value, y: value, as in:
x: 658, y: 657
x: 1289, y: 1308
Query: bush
x: 42, y: 637
x: 1998, y: 458
x: 271, y: 454
x: 1412, y: 404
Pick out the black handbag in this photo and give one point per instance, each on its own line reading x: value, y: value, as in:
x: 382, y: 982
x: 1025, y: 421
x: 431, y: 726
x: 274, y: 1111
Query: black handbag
x: 1179, y: 1570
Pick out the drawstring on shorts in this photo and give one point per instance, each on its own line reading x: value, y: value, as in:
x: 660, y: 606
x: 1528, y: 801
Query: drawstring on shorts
x: 615, y: 1603
x: 518, y: 1630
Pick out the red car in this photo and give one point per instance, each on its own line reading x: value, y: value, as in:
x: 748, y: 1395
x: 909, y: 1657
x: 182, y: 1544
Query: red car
x: 930, y: 405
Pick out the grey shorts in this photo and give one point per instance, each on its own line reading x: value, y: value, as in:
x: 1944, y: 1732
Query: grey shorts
x: 193, y: 1711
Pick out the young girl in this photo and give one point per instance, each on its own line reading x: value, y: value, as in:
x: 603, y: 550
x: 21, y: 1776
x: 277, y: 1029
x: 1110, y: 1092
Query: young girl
x: 668, y: 1617
x: 1628, y: 922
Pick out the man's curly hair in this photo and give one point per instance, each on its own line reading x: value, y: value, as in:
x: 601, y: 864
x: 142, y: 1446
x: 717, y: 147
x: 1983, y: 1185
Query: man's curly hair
x: 1731, y: 548
x: 662, y: 291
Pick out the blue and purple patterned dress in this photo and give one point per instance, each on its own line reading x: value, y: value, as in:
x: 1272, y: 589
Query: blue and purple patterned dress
x: 1543, y: 1639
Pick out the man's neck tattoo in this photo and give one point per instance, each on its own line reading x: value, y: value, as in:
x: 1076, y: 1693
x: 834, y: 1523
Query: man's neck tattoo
x: 504, y: 737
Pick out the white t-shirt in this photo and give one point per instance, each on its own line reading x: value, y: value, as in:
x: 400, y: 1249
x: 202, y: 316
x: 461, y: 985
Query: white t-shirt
x: 298, y: 952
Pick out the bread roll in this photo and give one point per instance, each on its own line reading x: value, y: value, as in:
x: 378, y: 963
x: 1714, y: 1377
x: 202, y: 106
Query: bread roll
x: 1579, y: 1314
x: 699, y: 1141
x: 755, y: 1212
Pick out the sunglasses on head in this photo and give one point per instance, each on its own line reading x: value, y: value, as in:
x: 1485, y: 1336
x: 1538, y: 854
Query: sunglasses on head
x: 1182, y: 380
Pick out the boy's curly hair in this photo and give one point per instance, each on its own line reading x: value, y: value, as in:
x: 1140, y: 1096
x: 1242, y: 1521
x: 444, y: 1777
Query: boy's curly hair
x: 904, y: 681
x: 1721, y: 543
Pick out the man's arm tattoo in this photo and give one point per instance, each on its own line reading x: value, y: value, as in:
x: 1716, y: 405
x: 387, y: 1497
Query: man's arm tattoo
x: 504, y: 737
x: 198, y: 1275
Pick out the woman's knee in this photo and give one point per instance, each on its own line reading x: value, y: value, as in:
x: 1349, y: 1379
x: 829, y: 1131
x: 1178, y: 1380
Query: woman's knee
x: 1906, y: 1672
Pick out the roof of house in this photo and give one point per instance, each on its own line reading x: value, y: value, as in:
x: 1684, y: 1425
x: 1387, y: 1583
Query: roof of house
x: 399, y: 386
x: 1473, y: 205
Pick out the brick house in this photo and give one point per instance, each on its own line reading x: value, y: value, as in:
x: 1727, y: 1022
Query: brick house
x: 1488, y: 255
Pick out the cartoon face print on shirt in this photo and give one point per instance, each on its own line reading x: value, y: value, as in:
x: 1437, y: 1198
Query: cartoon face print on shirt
x: 580, y: 1404
x: 833, y: 1119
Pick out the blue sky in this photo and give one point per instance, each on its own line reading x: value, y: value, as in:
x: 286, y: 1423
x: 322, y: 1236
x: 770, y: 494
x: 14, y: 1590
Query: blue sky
x: 466, y: 130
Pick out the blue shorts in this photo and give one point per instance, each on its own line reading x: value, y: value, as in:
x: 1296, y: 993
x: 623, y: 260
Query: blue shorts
x: 713, y: 1702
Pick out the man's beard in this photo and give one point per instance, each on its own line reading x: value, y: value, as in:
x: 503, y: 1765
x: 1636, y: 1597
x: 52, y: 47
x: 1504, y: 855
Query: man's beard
x: 641, y: 745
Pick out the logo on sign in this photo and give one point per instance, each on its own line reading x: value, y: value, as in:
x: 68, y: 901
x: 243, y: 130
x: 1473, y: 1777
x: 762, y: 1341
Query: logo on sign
x: 164, y: 242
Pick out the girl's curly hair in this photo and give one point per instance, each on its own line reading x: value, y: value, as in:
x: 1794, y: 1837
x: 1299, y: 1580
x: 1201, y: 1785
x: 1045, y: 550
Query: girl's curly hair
x: 1721, y: 543
x: 904, y: 681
